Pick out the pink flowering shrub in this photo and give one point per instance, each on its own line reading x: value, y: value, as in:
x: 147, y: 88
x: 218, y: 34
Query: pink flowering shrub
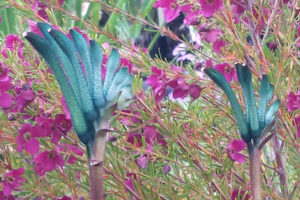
x: 178, y: 139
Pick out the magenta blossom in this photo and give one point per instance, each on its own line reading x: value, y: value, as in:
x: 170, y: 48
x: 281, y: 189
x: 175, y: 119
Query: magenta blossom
x: 194, y: 91
x: 12, y: 180
x: 9, y: 197
x: 212, y: 35
x: 171, y: 9
x: 33, y: 27
x: 297, y: 124
x: 63, y: 198
x: 218, y: 45
x: 142, y: 161
x: 237, y: 10
x: 240, y: 195
x: 24, y: 97
x: 26, y: 140
x: 180, y: 87
x: 152, y: 135
x: 233, y: 150
x: 293, y: 101
x: 5, y: 81
x: 5, y: 100
x: 227, y: 71
x: 53, y: 128
x: 209, y: 7
x: 158, y: 82
x: 49, y: 160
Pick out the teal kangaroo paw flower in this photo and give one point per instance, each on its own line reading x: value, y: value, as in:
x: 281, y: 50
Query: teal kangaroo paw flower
x: 83, y: 50
x: 263, y: 101
x: 96, y: 57
x: 245, y: 79
x: 51, y: 57
x: 114, y: 89
x: 219, y: 79
x: 111, y: 67
x: 270, y: 115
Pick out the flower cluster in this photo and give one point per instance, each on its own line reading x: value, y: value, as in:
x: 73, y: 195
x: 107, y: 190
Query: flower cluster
x: 159, y: 83
x: 293, y: 104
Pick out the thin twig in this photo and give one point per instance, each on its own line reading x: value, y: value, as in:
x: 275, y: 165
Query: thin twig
x: 270, y: 21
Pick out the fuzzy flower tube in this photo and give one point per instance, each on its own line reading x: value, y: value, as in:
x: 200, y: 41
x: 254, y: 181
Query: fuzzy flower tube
x: 90, y: 98
x: 257, y: 120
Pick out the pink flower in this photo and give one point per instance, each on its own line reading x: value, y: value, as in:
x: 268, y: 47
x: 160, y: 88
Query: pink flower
x: 180, y: 87
x: 142, y: 161
x: 237, y: 10
x: 192, y: 16
x: 212, y: 35
x: 293, y: 101
x: 33, y: 27
x: 49, y: 160
x: 126, y: 63
x: 12, y: 180
x: 209, y: 7
x: 26, y: 140
x: 76, y: 150
x: 25, y: 97
x: 297, y: 124
x: 227, y: 71
x: 63, y: 198
x: 233, y: 150
x: 170, y: 8
x: 4, y: 197
x: 63, y: 123
x: 152, y: 135
x: 218, y: 45
x: 158, y: 82
x: 194, y: 91
x: 5, y: 100
x: 53, y: 128
x: 13, y: 41
x: 240, y: 195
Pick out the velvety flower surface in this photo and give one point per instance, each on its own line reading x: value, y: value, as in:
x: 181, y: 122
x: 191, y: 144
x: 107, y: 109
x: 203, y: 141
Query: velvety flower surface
x: 12, y: 180
x: 5, y: 100
x: 48, y: 161
x: 209, y: 7
x: 170, y: 9
x: 227, y: 71
x: 142, y: 161
x: 27, y: 140
x: 293, y: 101
x: 233, y: 150
x: 218, y: 45
x: 158, y: 82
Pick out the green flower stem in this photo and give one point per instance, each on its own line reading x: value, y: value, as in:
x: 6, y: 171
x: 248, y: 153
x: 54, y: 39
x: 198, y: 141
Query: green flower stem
x: 255, y: 173
x: 97, y: 162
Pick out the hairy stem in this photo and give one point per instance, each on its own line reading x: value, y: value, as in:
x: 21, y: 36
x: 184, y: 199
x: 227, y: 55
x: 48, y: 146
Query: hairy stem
x: 97, y: 162
x: 255, y: 174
